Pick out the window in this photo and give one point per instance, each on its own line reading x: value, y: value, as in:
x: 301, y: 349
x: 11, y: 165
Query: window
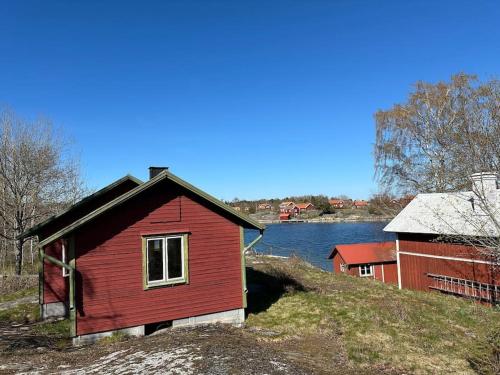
x: 343, y: 267
x: 166, y: 260
x: 64, y: 258
x: 365, y: 270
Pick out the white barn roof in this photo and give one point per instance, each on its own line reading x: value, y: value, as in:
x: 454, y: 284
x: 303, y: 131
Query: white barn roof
x: 449, y: 214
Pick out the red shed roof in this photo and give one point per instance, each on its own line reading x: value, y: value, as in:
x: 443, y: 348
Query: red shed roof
x: 363, y: 253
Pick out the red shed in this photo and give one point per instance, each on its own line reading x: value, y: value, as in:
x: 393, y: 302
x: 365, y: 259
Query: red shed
x: 135, y: 255
x: 376, y: 260
x: 284, y: 217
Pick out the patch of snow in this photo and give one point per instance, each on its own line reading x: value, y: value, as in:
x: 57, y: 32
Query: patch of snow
x: 177, y: 361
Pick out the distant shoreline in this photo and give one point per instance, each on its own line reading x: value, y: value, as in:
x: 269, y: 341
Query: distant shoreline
x: 329, y: 220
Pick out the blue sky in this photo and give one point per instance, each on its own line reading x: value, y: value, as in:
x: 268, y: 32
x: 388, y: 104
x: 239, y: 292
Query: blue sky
x: 243, y: 99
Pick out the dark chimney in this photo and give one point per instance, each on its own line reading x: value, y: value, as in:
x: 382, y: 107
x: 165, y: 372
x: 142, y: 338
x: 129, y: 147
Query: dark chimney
x: 155, y: 171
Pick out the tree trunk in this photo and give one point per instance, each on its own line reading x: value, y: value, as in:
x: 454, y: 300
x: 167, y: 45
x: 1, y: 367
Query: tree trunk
x: 19, y: 256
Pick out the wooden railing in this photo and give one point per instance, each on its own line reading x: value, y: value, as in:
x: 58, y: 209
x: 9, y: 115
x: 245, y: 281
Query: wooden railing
x: 465, y: 288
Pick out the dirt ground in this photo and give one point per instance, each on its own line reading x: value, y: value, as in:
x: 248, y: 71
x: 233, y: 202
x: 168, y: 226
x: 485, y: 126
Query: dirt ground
x: 216, y: 349
x: 301, y: 321
x: 204, y: 350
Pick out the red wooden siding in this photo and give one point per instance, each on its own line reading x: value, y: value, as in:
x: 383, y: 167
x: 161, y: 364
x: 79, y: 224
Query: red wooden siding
x: 391, y: 273
x: 414, y: 269
x: 430, y: 245
x: 337, y: 260
x: 55, y: 286
x: 109, y: 289
x: 353, y: 271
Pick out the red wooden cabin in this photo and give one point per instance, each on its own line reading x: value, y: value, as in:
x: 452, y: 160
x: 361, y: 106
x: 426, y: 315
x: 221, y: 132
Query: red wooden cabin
x: 337, y: 203
x: 304, y: 207
x: 135, y: 255
x: 288, y: 208
x: 376, y: 260
x: 439, y: 239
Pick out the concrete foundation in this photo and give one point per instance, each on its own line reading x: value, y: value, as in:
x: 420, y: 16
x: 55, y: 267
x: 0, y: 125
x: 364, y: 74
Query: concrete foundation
x: 54, y: 310
x: 234, y: 317
x: 93, y: 337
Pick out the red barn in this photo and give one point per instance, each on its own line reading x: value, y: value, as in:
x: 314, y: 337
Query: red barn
x: 136, y: 255
x: 440, y: 242
x: 376, y: 260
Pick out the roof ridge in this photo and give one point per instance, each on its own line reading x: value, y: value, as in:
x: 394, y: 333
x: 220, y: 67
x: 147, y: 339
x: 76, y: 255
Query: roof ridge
x: 122, y: 198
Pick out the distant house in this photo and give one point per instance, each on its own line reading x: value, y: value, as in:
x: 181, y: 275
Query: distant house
x: 300, y: 207
x: 435, y: 237
x: 136, y: 254
x: 287, y: 208
x: 264, y: 207
x: 337, y: 203
x: 371, y: 260
x: 360, y: 204
x: 237, y: 208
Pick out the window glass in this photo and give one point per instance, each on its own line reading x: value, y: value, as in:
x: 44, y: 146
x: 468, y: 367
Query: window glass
x: 64, y: 259
x: 174, y: 257
x: 365, y: 270
x: 155, y: 260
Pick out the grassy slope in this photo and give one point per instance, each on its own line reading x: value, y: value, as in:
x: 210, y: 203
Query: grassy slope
x: 18, y: 294
x: 29, y: 314
x: 365, y: 322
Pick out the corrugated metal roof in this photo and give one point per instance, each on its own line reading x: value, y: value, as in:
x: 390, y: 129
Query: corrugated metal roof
x: 448, y: 214
x: 366, y: 253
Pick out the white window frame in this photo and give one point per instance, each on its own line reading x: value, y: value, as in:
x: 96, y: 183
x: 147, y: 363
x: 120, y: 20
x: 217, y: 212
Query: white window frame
x: 64, y: 258
x: 166, y: 280
x: 364, y: 266
x: 343, y: 267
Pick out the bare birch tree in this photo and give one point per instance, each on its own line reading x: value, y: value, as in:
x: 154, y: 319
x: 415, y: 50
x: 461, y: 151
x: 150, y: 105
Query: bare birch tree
x: 37, y: 177
x: 437, y: 140
x: 443, y: 133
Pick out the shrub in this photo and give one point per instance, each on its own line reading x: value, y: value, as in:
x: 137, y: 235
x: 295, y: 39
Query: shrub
x: 485, y: 357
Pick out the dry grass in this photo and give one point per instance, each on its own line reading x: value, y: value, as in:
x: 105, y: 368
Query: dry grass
x: 13, y: 284
x: 373, y: 324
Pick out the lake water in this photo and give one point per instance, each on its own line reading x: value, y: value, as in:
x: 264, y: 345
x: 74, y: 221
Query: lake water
x: 313, y: 242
